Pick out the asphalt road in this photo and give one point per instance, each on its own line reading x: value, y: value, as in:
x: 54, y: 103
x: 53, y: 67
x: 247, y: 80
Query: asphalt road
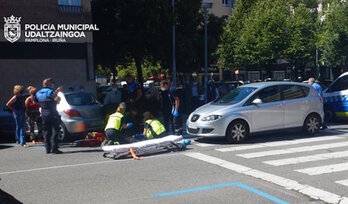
x: 209, y: 171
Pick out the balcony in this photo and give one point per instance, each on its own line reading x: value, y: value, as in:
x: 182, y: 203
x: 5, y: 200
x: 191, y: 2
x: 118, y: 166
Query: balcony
x: 70, y: 9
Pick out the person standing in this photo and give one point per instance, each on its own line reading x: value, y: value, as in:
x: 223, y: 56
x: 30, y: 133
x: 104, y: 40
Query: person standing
x: 33, y: 114
x: 48, y: 101
x: 170, y: 107
x: 112, y: 100
x: 134, y: 93
x: 317, y: 87
x: 213, y: 92
x: 17, y: 106
x: 195, y: 94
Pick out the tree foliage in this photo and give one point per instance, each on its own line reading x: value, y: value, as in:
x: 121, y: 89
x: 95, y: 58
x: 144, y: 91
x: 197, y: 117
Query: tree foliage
x: 261, y: 31
x: 333, y: 36
x: 140, y: 31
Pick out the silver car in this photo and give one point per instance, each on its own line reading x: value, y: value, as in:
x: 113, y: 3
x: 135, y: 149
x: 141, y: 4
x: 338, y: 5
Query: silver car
x: 259, y: 107
x: 80, y: 113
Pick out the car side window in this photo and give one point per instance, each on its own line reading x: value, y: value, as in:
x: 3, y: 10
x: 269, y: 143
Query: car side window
x: 292, y: 92
x: 267, y: 95
x: 339, y: 85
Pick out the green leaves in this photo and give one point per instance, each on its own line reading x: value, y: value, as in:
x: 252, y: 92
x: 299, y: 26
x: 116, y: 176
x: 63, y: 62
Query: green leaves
x: 262, y: 31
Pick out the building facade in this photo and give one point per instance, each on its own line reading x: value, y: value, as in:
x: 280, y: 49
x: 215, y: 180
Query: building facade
x: 70, y: 63
x: 222, y: 7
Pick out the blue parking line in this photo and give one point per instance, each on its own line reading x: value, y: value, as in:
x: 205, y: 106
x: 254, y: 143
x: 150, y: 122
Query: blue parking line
x: 261, y: 193
x: 218, y: 186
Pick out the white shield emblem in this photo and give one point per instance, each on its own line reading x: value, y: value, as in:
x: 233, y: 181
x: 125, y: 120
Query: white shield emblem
x: 12, y: 29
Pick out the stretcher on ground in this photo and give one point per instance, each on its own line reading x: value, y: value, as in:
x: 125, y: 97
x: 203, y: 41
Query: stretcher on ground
x: 153, y: 146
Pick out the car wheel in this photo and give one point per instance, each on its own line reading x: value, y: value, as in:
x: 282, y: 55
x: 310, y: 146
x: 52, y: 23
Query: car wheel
x: 312, y: 124
x: 237, y: 131
x: 63, y: 134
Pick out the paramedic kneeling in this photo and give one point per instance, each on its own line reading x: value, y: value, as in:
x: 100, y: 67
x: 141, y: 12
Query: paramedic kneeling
x: 115, y: 126
x: 153, y: 128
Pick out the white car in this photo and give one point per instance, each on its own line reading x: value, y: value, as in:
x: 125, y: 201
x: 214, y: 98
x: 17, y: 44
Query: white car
x: 336, y: 98
x: 259, y: 107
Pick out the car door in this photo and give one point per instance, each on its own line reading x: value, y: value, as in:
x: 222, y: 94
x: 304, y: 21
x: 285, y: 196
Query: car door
x: 268, y: 115
x: 295, y: 104
x: 336, y: 97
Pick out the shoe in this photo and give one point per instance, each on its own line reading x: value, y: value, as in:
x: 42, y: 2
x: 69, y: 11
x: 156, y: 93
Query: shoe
x: 33, y: 142
x: 25, y: 145
x: 57, y: 152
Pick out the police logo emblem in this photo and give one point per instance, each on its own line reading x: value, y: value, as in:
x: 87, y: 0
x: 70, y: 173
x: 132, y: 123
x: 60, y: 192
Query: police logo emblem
x: 12, y: 28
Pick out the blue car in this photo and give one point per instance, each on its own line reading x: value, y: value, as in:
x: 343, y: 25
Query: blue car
x: 7, y: 124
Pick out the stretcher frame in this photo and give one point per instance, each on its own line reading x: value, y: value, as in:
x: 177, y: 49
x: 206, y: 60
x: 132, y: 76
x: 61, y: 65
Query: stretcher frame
x: 169, y: 143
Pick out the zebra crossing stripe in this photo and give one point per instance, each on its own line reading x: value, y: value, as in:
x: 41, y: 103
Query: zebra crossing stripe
x: 324, y: 169
x: 304, y: 159
x: 343, y: 182
x: 202, y: 144
x: 278, y: 144
x: 281, y: 181
x: 293, y: 150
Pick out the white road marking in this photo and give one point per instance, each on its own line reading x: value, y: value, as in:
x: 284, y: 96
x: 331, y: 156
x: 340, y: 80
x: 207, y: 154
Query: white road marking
x: 343, y: 182
x: 281, y: 181
x: 304, y: 159
x: 293, y: 150
x: 324, y: 169
x: 86, y: 164
x: 202, y: 144
x: 278, y: 144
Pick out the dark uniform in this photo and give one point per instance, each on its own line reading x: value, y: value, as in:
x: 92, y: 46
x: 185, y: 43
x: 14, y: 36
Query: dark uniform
x: 130, y: 94
x: 50, y: 118
x: 167, y: 105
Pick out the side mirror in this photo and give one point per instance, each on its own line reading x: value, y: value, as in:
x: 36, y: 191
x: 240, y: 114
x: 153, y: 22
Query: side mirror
x: 257, y: 101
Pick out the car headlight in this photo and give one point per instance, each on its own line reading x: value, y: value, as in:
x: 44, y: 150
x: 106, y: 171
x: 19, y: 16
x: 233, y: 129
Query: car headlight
x: 211, y: 117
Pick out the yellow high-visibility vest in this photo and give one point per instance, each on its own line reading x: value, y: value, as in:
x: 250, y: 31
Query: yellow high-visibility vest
x: 157, y: 128
x: 114, y: 121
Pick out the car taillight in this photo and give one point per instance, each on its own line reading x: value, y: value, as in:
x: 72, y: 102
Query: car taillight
x: 72, y: 113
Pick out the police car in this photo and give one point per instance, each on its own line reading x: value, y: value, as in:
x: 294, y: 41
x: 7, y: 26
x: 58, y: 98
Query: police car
x: 336, y: 99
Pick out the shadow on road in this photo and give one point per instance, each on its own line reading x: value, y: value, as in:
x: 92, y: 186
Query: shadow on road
x: 6, y: 198
x: 6, y: 146
x: 273, y: 136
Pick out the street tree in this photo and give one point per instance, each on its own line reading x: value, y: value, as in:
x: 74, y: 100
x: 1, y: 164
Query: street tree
x: 229, y: 56
x: 333, y: 35
x: 262, y: 41
x: 301, y: 34
x: 130, y: 30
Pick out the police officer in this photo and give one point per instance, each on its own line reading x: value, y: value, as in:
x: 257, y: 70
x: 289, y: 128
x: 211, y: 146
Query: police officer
x: 153, y: 128
x: 48, y: 100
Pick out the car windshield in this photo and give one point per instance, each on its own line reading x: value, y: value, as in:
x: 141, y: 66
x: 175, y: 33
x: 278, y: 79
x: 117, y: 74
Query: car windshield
x: 80, y: 99
x: 235, y: 96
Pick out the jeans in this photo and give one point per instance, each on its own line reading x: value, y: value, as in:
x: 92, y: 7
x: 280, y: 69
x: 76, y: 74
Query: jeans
x: 35, y: 118
x: 19, y: 117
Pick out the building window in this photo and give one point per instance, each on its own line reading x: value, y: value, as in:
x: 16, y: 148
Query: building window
x: 225, y: 3
x: 70, y: 6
